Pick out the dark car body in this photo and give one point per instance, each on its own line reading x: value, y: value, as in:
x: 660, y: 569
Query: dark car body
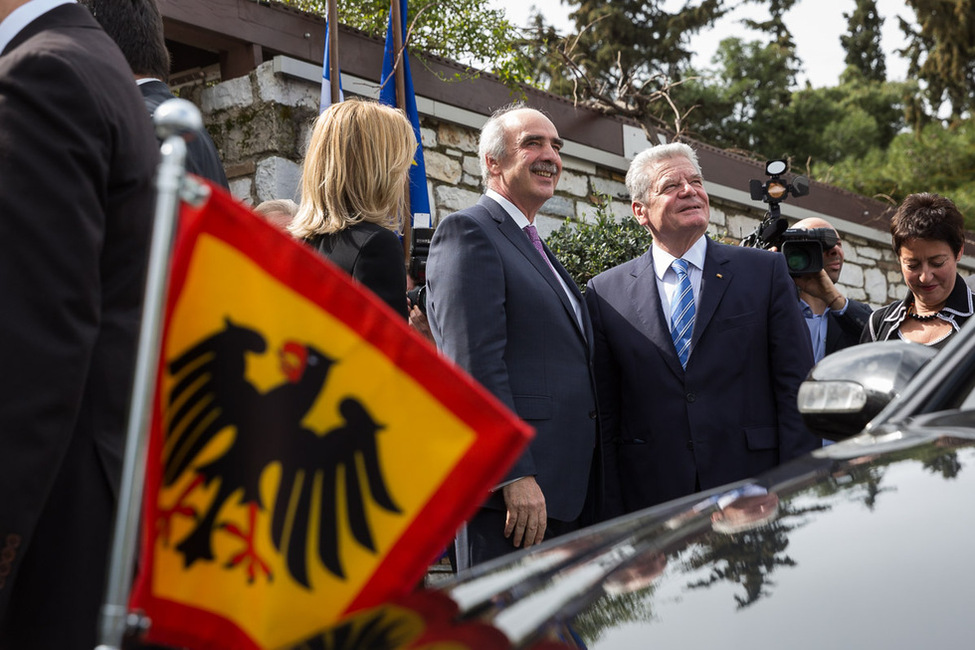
x: 865, y: 543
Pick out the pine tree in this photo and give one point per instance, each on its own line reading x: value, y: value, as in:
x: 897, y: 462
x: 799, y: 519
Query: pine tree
x: 941, y: 53
x: 862, y: 42
x: 625, y: 47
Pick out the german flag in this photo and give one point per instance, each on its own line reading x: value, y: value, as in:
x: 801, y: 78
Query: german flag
x: 309, y: 454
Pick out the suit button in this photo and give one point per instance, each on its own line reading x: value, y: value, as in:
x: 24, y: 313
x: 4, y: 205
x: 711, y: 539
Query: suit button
x: 691, y: 397
x: 592, y: 415
x: 690, y: 445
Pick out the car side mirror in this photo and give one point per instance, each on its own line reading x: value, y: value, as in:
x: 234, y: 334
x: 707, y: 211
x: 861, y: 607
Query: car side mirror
x: 848, y: 388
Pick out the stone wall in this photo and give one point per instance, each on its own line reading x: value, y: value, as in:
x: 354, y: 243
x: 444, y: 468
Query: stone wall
x: 261, y: 124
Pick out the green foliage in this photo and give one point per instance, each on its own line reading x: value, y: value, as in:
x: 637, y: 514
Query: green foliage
x: 468, y: 31
x: 940, y: 52
x: 939, y: 159
x: 862, y: 42
x: 588, y: 249
x: 624, y: 52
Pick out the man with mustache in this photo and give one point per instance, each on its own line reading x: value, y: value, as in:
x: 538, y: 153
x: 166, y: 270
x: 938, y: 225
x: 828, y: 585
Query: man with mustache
x: 834, y: 321
x: 700, y: 349
x: 504, y: 309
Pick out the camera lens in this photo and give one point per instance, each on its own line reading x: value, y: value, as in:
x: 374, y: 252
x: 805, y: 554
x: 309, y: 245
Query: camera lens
x: 798, y: 259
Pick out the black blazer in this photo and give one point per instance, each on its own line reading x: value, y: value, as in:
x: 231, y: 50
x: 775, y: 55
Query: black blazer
x: 846, y: 330
x: 77, y: 158
x: 202, y: 157
x: 373, y: 256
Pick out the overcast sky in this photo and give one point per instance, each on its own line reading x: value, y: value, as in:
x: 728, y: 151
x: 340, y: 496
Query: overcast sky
x: 816, y: 26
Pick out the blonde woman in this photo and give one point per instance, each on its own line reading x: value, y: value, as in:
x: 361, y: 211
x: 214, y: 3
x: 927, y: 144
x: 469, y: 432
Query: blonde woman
x: 353, y: 191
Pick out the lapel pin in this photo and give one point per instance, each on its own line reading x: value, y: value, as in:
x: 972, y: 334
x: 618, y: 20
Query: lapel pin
x: 719, y: 275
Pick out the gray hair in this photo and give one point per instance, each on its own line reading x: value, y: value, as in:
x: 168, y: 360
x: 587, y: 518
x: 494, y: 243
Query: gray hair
x: 492, y: 141
x: 286, y: 206
x: 638, y: 179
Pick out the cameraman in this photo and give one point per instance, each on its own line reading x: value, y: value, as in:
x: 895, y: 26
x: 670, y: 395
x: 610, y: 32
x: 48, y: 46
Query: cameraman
x: 834, y: 321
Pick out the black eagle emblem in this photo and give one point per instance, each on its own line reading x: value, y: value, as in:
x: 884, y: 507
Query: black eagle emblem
x: 210, y: 393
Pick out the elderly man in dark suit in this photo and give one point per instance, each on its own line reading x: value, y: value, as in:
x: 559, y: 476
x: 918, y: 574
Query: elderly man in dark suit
x: 77, y: 157
x: 699, y: 348
x: 136, y: 26
x: 505, y: 310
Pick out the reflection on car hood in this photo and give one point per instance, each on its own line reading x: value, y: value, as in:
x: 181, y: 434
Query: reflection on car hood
x: 861, y: 544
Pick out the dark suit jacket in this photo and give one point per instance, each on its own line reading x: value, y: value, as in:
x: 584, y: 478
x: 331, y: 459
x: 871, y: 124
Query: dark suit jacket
x: 496, y: 309
x: 373, y: 256
x: 77, y: 157
x: 732, y: 413
x: 846, y: 330
x: 202, y: 157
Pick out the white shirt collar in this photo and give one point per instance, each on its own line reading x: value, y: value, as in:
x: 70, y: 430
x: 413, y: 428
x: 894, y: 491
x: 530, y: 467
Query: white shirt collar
x: 517, y: 215
x: 694, y: 255
x: 24, y: 15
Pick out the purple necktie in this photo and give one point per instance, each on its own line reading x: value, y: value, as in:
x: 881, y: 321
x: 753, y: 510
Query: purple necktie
x: 532, y: 233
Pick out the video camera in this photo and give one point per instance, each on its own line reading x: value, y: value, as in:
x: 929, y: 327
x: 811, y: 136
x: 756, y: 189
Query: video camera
x: 419, y: 251
x: 803, y: 249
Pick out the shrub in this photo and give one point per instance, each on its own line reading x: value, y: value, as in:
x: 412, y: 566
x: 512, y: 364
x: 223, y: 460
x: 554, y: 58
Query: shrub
x: 588, y: 249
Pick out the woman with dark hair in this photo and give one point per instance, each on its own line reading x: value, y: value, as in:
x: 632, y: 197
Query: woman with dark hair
x: 928, y: 235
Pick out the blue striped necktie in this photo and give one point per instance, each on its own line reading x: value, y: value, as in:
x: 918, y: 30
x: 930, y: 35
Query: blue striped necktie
x: 682, y: 312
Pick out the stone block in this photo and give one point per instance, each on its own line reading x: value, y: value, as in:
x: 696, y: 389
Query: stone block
x: 615, y: 189
x: 546, y: 225
x: 242, y: 190
x: 851, y: 255
x: 869, y: 253
x: 574, y: 184
x: 718, y: 217
x: 855, y: 293
x: 450, y: 199
x: 451, y: 135
x: 472, y: 166
x: 428, y: 138
x: 226, y: 95
x: 441, y: 167
x: 875, y: 284
x: 259, y: 131
x: 559, y: 206
x: 621, y: 211
x: 852, y: 274
x: 277, y: 178
x: 275, y: 88
x: 585, y: 212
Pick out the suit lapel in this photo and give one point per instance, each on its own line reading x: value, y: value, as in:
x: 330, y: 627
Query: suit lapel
x: 520, y: 241
x: 714, y: 282
x: 646, y: 303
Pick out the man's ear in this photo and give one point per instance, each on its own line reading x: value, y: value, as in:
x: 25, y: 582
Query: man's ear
x: 640, y: 212
x: 492, y: 163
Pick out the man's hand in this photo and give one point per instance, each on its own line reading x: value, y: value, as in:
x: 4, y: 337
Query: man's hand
x: 419, y: 322
x: 526, y: 518
x: 818, y: 285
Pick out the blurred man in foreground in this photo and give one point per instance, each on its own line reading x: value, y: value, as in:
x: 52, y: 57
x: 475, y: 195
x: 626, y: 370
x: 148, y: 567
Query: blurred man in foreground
x: 77, y: 156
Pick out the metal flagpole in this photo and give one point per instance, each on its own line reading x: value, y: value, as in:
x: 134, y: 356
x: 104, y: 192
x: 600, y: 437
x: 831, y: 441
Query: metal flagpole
x: 333, y: 51
x: 399, y: 75
x: 173, y: 119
